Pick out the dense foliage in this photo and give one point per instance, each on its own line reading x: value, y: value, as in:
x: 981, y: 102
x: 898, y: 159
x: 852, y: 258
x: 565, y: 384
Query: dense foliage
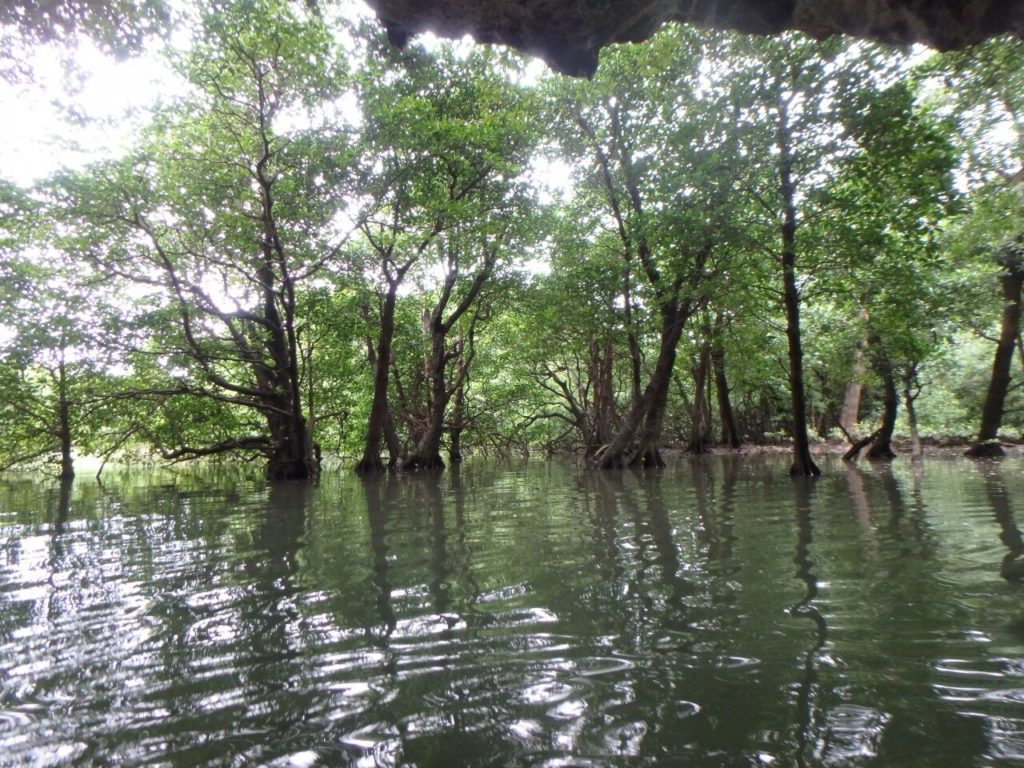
x: 331, y: 247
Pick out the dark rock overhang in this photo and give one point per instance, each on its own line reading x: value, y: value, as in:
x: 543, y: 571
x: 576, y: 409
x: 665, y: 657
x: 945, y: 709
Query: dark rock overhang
x: 568, y: 34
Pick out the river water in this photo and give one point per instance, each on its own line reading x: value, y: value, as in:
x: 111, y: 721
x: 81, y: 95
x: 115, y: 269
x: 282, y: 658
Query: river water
x: 536, y: 614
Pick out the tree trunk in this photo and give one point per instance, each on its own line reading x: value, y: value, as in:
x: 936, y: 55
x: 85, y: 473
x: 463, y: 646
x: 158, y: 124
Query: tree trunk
x: 455, y: 447
x: 67, y: 464
x: 293, y: 456
x: 292, y: 451
x: 803, y: 464
x: 635, y: 355
x: 458, y: 418
x: 881, y: 444
x: 648, y: 451
x: 603, y: 404
x: 637, y: 441
x: 859, y: 445
x: 909, y: 397
x: 380, y: 414
x: 850, y: 413
x: 459, y: 421
x: 1011, y: 280
x: 730, y: 432
x: 700, y: 424
x: 427, y: 453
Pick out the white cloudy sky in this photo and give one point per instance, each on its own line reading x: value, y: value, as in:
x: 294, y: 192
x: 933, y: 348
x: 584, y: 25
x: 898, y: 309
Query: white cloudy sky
x: 112, y: 98
x: 36, y: 137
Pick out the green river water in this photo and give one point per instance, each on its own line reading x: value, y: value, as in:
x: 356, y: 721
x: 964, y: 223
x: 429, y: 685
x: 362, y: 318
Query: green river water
x: 716, y: 613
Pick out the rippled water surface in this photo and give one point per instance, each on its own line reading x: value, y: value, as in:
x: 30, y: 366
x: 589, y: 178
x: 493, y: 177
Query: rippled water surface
x: 714, y: 614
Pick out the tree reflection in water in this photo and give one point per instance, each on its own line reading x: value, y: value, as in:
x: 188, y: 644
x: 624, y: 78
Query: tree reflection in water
x: 1012, y: 568
x: 806, y: 727
x: 717, y: 517
x: 380, y: 493
x: 525, y: 616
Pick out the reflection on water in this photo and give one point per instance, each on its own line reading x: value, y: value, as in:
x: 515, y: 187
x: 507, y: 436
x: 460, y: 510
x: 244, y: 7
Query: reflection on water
x: 999, y: 499
x: 713, y: 614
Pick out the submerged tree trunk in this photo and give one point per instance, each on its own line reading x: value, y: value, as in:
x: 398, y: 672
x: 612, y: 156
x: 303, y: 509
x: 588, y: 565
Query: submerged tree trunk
x: 648, y: 453
x: 602, y: 405
x: 910, y: 392
x: 1011, y: 281
x: 850, y: 413
x: 293, y: 455
x: 881, y: 443
x: 67, y: 463
x: 380, y: 415
x: 427, y: 452
x: 290, y: 452
x: 248, y: 358
x: 859, y: 445
x: 458, y: 420
x: 730, y: 432
x: 638, y: 439
x: 803, y: 465
x: 700, y: 423
x: 455, y: 445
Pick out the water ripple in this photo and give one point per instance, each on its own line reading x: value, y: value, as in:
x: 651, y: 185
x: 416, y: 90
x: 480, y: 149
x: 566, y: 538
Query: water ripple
x: 355, y: 624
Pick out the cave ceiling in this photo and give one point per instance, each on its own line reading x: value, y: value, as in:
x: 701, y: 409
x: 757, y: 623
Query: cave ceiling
x: 568, y: 34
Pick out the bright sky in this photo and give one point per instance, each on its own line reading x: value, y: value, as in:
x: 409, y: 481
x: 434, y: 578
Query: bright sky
x: 111, y: 97
x: 36, y: 138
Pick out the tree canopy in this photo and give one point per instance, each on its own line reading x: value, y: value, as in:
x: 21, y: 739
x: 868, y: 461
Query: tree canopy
x: 327, y: 247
